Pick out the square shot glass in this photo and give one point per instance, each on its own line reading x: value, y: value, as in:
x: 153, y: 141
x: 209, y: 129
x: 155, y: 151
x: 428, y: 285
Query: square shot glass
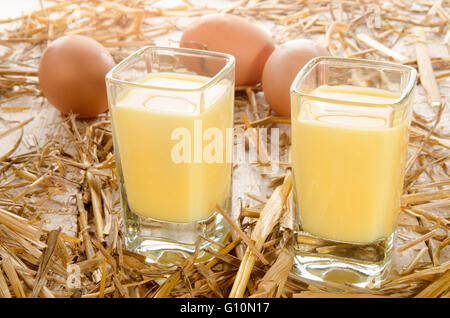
x: 172, y: 112
x: 350, y: 124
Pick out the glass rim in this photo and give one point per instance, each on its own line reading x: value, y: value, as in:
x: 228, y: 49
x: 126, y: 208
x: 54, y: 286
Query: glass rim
x: 399, y: 102
x: 230, y: 62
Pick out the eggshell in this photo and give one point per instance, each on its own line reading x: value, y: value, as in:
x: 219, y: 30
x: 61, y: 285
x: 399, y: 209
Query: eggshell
x: 282, y: 67
x: 72, y: 73
x: 247, y: 42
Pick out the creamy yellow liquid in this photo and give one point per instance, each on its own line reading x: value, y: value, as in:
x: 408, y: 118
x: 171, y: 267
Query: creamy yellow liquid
x: 143, y: 120
x: 348, y: 164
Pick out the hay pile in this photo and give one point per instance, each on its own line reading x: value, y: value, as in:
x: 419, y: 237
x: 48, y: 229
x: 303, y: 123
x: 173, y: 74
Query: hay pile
x: 66, y: 173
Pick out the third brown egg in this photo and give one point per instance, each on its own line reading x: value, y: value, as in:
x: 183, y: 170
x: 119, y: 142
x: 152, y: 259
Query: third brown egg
x: 282, y: 67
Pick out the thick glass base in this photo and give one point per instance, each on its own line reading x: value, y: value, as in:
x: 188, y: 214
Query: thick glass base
x: 170, y: 243
x: 333, y: 264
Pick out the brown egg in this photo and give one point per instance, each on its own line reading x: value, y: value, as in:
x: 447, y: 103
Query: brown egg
x: 72, y: 75
x: 248, y: 43
x: 282, y: 67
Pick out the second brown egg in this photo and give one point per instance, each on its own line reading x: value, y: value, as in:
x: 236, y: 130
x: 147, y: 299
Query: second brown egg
x: 247, y: 42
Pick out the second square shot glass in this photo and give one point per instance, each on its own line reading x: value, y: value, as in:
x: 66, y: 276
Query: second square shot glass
x: 350, y: 124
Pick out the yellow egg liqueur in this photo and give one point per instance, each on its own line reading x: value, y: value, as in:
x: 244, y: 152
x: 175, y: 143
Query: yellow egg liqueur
x: 348, y: 163
x: 144, y: 121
